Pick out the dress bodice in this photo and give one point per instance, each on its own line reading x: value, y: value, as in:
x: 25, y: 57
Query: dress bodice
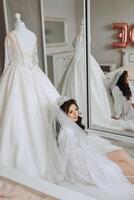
x: 16, y: 56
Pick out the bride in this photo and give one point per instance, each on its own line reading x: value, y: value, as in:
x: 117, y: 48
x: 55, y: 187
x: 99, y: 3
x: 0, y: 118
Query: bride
x: 86, y: 162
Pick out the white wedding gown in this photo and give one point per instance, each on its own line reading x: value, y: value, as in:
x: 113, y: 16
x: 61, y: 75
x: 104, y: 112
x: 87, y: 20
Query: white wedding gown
x: 25, y: 92
x: 73, y: 84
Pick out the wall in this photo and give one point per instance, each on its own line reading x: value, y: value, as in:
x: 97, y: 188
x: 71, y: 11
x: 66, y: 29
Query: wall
x: 2, y: 37
x: 62, y: 9
x: 79, y: 9
x: 103, y: 14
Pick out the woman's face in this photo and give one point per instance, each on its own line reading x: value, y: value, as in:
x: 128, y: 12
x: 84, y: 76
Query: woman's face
x: 73, y: 112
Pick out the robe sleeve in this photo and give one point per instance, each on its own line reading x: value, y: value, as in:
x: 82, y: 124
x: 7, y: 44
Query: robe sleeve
x: 117, y: 96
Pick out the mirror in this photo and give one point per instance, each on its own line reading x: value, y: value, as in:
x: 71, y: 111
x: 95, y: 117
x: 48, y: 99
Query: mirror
x: 111, y: 90
x: 66, y: 65
x: 55, y: 31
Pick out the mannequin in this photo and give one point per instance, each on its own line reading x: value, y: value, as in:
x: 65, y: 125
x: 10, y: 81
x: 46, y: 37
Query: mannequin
x: 25, y: 36
x: 25, y: 95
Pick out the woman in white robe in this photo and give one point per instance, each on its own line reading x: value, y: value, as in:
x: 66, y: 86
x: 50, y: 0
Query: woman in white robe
x: 84, y: 163
x: 122, y: 95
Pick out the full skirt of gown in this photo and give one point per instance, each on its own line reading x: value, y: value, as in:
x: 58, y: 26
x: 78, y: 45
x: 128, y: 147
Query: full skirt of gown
x: 24, y: 119
x: 74, y: 84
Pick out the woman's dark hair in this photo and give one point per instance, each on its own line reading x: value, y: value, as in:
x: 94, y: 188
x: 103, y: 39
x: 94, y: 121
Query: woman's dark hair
x: 124, y: 86
x: 65, y: 107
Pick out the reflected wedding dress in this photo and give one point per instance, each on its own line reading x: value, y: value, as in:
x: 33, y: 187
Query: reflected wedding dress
x: 73, y: 84
x: 25, y: 92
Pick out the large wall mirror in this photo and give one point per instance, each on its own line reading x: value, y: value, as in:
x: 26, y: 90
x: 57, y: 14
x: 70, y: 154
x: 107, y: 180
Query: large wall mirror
x: 112, y: 69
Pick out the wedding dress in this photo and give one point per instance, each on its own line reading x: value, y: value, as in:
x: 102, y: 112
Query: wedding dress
x: 73, y: 84
x: 25, y: 92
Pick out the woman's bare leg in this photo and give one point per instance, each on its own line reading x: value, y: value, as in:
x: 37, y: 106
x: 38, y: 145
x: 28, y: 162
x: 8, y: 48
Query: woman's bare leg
x: 124, y: 161
x: 121, y: 156
x: 127, y: 170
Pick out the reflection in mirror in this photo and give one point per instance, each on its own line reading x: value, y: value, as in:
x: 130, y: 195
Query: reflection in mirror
x: 55, y: 31
x: 112, y: 71
x: 66, y: 55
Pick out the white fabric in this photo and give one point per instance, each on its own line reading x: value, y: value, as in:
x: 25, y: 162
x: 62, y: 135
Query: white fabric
x: 80, y: 161
x: 123, y: 108
x: 73, y: 83
x: 24, y: 95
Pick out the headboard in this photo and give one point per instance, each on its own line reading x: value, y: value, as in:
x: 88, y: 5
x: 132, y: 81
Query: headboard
x: 128, y: 62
